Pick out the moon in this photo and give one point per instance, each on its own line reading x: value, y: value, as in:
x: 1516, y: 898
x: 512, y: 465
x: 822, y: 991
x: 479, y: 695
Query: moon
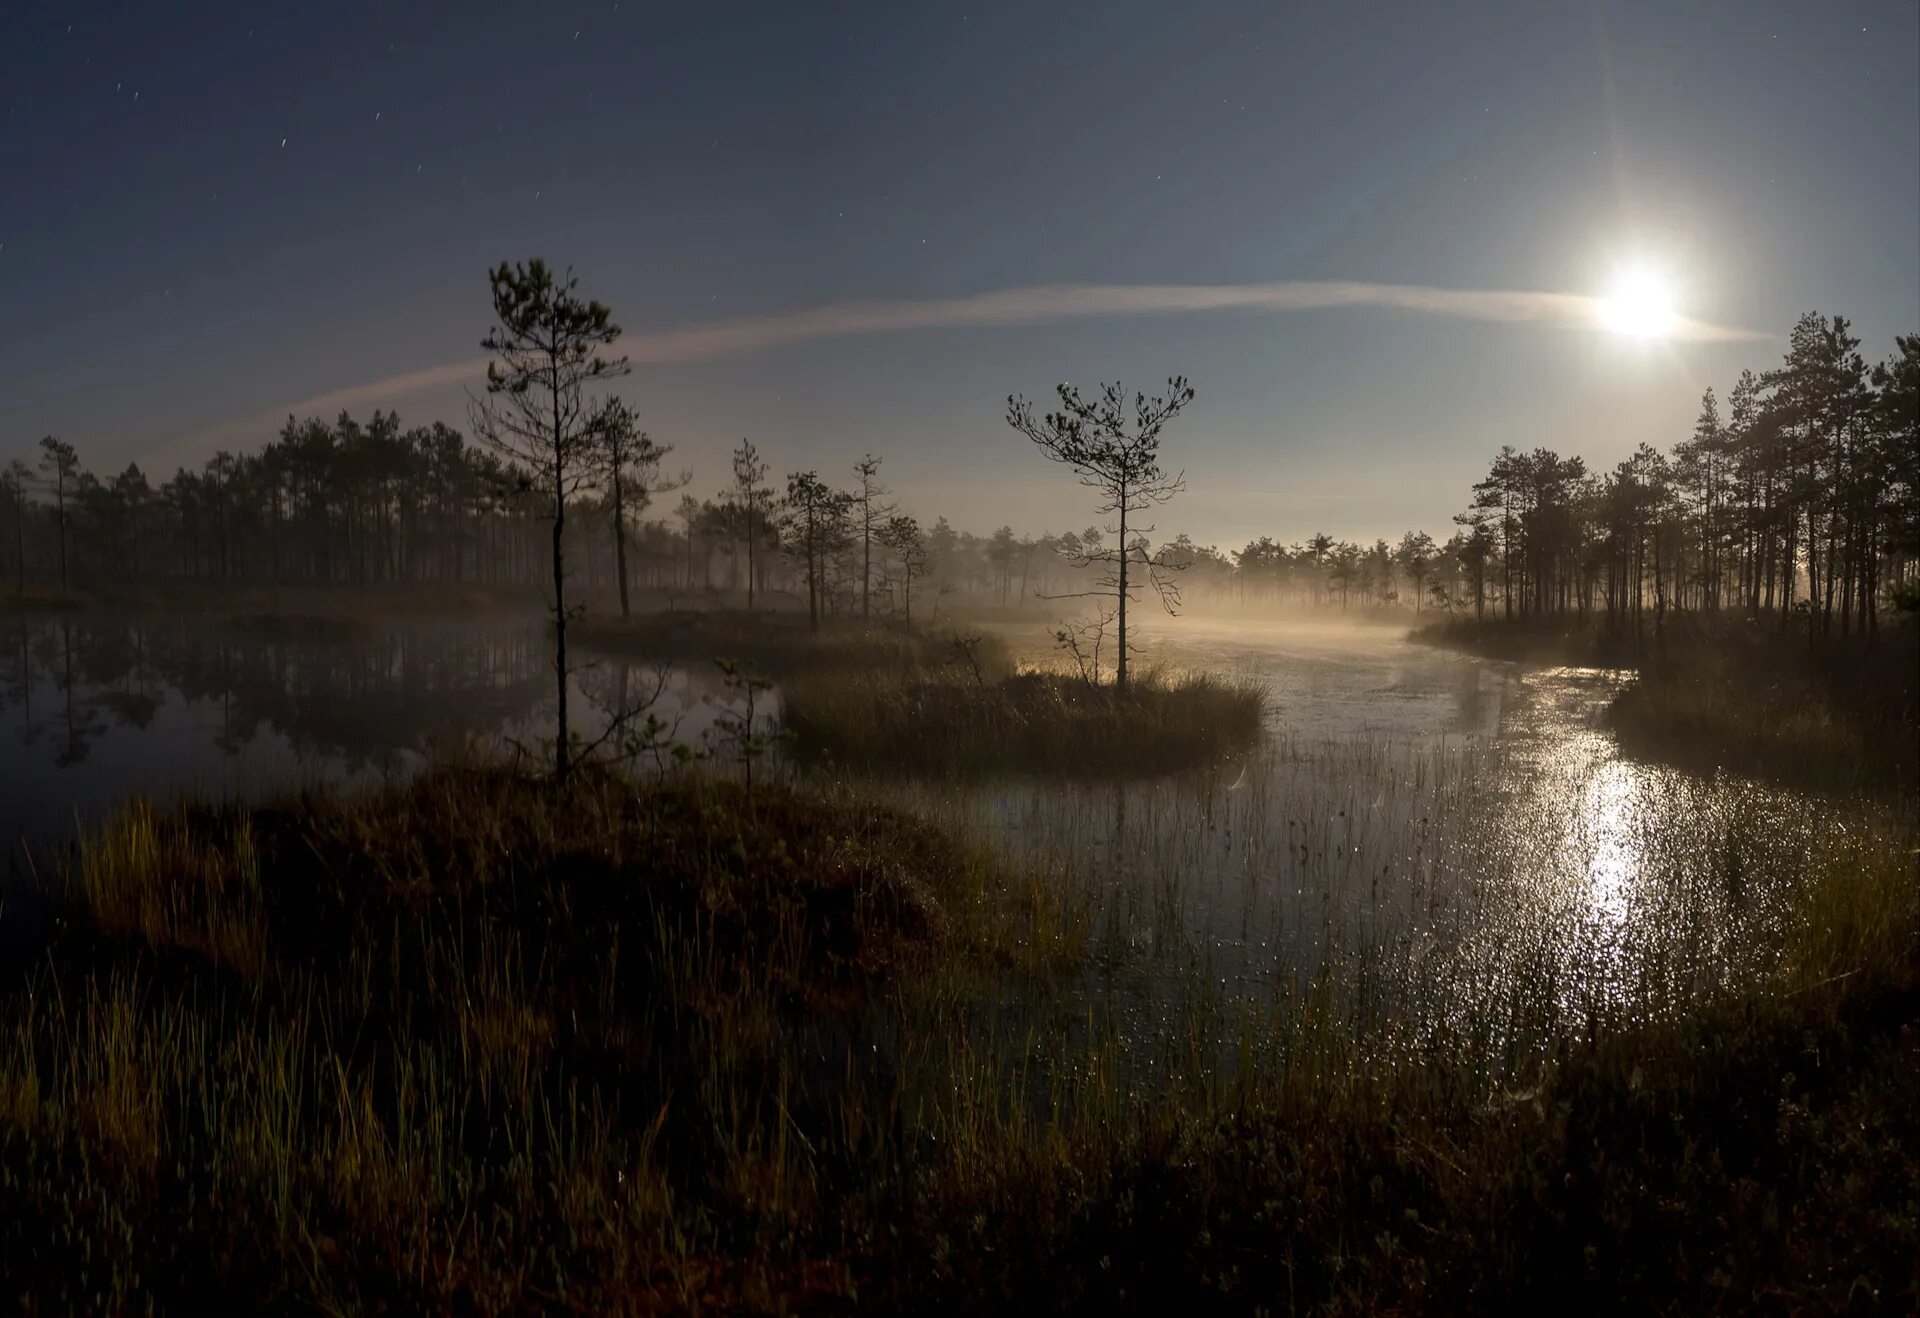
x: 1638, y: 306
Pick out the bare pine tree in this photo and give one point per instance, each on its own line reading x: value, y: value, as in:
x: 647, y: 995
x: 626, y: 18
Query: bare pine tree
x: 902, y: 534
x: 60, y: 468
x: 816, y: 518
x: 536, y: 415
x: 689, y: 512
x: 749, y: 498
x: 628, y: 468
x: 872, y: 512
x: 1114, y: 448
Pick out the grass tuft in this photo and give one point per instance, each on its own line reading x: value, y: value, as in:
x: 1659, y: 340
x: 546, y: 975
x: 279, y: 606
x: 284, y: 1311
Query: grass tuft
x: 946, y: 720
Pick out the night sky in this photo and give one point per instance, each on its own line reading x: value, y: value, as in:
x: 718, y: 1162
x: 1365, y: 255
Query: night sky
x: 213, y: 214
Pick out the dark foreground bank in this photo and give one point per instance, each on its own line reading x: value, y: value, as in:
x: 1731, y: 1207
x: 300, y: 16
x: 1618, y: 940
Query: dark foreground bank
x: 483, y: 1044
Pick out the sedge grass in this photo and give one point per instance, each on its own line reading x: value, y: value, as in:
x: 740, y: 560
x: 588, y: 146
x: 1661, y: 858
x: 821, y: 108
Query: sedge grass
x: 949, y: 720
x: 653, y: 1047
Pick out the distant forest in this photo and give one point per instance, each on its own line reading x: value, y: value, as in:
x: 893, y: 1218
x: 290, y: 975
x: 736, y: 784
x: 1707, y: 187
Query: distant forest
x: 1801, y: 493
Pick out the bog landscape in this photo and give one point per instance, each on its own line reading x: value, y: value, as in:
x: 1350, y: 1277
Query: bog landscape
x: 484, y: 836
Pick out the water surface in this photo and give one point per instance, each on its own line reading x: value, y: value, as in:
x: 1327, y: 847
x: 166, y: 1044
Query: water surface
x: 1471, y: 825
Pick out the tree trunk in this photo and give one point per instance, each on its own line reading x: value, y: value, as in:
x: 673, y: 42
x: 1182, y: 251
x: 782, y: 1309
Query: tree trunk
x: 560, y: 758
x: 1120, y: 678
x: 60, y: 515
x: 620, y: 540
x: 749, y: 546
x: 813, y: 577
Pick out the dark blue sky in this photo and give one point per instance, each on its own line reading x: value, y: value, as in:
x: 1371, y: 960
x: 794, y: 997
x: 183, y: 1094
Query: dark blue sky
x: 172, y: 276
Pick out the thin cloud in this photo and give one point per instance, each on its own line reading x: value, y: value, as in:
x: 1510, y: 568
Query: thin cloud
x: 1038, y: 305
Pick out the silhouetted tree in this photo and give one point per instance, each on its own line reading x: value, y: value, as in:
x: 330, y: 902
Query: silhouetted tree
x: 1115, y: 450
x: 868, y: 497
x: 816, y: 516
x: 629, y: 466
x: 1415, y: 556
x: 903, y: 536
x: 749, y: 499
x: 689, y: 512
x: 536, y: 415
x: 58, y: 468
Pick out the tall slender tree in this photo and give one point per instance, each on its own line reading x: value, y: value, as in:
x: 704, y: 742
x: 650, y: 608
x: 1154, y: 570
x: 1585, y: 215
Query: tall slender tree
x: 535, y: 413
x: 59, y: 466
x: 816, y: 516
x: 749, y: 499
x: 628, y: 464
x: 689, y: 512
x: 902, y: 534
x: 872, y: 512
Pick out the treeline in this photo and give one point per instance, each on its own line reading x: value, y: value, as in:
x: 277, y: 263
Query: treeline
x: 1801, y: 493
x: 344, y: 502
x: 353, y: 502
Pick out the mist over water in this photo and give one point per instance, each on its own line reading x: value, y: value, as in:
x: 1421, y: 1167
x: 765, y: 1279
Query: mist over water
x: 1458, y: 821
x: 1438, y: 841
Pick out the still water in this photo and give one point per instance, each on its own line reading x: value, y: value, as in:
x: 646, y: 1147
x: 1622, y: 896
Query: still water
x: 96, y: 708
x: 1467, y: 823
x: 1453, y: 850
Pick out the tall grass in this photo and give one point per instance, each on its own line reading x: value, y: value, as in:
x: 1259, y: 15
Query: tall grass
x: 1351, y: 1028
x: 950, y: 719
x: 472, y: 1041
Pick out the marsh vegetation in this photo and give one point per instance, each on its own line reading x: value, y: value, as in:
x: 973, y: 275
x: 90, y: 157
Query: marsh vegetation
x: 1462, y: 1008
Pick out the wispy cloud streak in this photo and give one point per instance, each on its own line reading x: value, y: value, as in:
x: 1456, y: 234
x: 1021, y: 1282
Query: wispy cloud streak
x: 1039, y: 305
